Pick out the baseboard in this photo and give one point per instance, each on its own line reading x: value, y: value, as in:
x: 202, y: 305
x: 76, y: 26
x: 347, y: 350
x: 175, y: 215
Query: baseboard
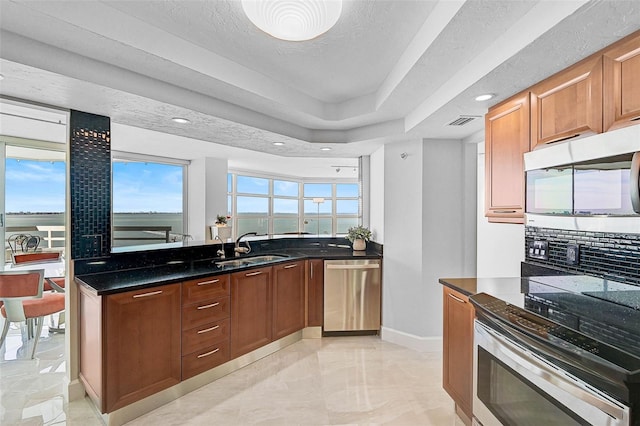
x: 74, y: 390
x: 421, y: 344
x: 312, y: 333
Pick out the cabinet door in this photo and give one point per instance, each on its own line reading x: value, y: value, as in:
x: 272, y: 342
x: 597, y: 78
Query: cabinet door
x: 622, y: 83
x: 142, y: 347
x: 568, y: 104
x: 457, y: 372
x: 506, y: 140
x: 288, y: 299
x: 251, y: 313
x: 315, y: 292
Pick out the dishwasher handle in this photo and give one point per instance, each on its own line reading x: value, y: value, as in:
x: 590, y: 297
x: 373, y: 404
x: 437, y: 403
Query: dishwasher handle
x: 366, y: 266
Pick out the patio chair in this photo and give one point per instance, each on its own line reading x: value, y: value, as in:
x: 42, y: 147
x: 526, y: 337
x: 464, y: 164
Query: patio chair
x: 21, y: 293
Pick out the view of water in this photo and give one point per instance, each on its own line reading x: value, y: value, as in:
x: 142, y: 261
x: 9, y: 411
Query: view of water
x: 29, y: 221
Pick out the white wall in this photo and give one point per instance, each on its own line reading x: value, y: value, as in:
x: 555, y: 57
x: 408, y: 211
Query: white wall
x: 500, y: 245
x: 376, y: 195
x: 207, y: 195
x: 428, y: 231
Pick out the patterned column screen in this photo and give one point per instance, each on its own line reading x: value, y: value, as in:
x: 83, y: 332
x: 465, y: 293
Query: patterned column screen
x: 90, y: 163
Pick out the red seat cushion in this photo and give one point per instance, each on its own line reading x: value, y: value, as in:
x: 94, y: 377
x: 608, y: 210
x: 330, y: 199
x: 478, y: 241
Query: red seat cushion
x: 50, y: 303
x: 59, y: 281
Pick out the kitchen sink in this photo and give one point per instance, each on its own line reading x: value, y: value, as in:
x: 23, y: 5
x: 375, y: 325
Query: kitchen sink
x: 266, y: 258
x: 249, y: 260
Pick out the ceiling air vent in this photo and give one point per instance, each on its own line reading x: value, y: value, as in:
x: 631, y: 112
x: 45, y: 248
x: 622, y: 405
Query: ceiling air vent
x: 462, y: 120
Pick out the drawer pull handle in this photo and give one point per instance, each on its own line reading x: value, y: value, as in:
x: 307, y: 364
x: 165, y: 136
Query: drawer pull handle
x: 208, y: 282
x: 456, y: 298
x: 206, y: 330
x: 209, y: 353
x: 151, y: 293
x: 504, y: 211
x: 208, y: 306
x: 253, y: 274
x: 291, y: 266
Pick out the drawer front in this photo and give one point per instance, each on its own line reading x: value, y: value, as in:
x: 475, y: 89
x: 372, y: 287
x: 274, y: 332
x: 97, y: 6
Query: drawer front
x: 194, y: 291
x: 205, y: 359
x: 201, y: 337
x: 205, y: 312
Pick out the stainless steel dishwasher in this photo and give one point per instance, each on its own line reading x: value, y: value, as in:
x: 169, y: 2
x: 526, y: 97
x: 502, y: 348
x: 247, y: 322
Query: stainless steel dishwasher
x: 352, y: 295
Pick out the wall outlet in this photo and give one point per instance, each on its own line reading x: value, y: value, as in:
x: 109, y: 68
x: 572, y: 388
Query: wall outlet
x: 573, y: 254
x: 538, y: 250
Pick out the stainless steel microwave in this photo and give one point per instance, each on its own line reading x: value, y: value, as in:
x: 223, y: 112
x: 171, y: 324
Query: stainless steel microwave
x: 579, y: 181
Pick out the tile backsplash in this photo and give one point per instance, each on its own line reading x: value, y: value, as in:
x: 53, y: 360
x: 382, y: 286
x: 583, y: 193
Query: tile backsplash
x: 602, y: 254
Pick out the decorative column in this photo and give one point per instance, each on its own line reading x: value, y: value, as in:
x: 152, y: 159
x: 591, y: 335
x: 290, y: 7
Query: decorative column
x: 90, y: 181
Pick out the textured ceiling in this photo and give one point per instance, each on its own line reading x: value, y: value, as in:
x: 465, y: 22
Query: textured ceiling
x: 388, y: 71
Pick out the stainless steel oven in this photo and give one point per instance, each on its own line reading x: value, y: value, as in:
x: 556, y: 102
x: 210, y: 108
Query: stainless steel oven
x: 577, y: 369
x: 515, y: 386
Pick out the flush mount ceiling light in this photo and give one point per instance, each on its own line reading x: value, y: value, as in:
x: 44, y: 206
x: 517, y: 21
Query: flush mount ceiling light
x: 484, y: 97
x: 278, y: 143
x: 326, y: 148
x: 290, y: 20
x: 180, y: 120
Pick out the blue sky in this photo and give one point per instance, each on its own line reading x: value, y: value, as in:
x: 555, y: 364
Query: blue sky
x: 39, y: 186
x: 147, y: 187
x: 34, y: 186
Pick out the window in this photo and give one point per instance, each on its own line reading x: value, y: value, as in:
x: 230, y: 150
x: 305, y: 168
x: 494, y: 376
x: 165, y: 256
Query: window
x: 148, y: 202
x: 278, y: 206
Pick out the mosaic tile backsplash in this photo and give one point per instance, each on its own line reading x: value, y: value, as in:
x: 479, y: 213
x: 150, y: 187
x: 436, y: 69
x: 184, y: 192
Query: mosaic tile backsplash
x: 602, y: 254
x: 90, y: 163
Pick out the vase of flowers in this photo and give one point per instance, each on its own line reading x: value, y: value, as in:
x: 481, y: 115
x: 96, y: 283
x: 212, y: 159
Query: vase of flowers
x: 359, y: 235
x: 222, y: 230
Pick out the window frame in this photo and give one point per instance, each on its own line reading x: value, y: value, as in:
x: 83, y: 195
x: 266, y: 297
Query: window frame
x: 121, y: 156
x: 301, y: 217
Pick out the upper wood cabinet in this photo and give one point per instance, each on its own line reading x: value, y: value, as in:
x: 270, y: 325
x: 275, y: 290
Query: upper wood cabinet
x: 568, y: 104
x: 507, y: 135
x: 622, y: 83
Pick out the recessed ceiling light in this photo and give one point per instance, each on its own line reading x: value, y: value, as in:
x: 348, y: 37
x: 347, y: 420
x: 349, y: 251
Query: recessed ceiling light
x: 325, y: 148
x: 484, y: 97
x: 181, y: 120
x: 278, y: 143
x: 298, y: 20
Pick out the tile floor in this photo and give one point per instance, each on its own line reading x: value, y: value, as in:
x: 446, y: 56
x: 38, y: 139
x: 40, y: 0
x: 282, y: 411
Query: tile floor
x: 329, y: 381
x: 31, y: 391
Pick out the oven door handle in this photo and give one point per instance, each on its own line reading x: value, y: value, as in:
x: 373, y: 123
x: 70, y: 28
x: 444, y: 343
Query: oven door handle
x: 541, y: 369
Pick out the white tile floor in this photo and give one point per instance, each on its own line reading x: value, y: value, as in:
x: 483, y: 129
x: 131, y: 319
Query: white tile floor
x: 31, y: 390
x: 329, y: 381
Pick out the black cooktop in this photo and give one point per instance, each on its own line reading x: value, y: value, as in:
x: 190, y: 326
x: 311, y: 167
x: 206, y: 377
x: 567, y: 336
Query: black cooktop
x: 588, y: 325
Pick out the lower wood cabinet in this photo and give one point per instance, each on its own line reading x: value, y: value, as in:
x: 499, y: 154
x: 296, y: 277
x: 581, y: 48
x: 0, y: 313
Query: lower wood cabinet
x: 251, y: 310
x: 129, y: 344
x: 206, y: 308
x: 315, y: 292
x: 288, y: 299
x: 457, y: 372
x: 136, y: 343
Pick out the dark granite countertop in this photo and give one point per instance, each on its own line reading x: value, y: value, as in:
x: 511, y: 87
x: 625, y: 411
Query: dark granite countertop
x: 105, y: 280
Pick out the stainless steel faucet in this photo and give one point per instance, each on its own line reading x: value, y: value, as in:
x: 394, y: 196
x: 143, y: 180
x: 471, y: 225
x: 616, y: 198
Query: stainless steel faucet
x: 220, y: 252
x: 240, y: 250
